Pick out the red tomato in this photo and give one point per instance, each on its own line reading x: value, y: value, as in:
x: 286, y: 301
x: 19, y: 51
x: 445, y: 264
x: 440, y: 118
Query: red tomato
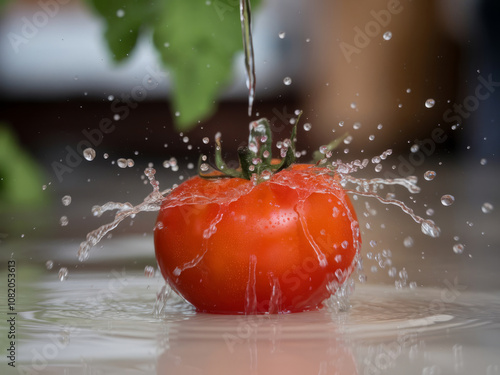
x: 284, y: 245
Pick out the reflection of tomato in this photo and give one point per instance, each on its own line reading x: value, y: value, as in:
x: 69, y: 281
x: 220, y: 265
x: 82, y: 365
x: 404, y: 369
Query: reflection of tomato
x: 229, y: 246
x: 249, y: 346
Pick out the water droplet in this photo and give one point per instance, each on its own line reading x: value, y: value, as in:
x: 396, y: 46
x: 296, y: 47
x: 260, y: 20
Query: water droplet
x: 335, y: 212
x: 105, y: 156
x: 282, y: 35
x: 66, y: 200
x: 348, y: 140
x: 487, y: 207
x: 339, y: 273
x: 371, y: 137
x: 458, y: 248
x: 204, y: 167
x: 483, y: 161
x: 447, y: 200
x: 380, y: 126
x: 111, y: 98
x: 429, y: 103
x: 205, y: 140
x: 149, y: 271
x: 429, y: 212
x: 122, y: 163
x: 403, y: 274
x: 429, y: 228
x: 414, y: 148
x: 408, y: 241
x: 408, y: 90
x: 307, y: 126
x: 392, y: 272
x: 323, y: 149
x: 63, y: 221
x: 387, y: 35
x: 345, y: 244
x: 353, y: 105
x: 89, y: 154
x: 356, y: 126
x: 120, y: 13
x: 287, y: 81
x: 413, y: 285
x: 130, y: 163
x: 429, y: 175
x: 378, y: 167
x: 341, y: 123
x: 63, y: 273
x: 177, y: 114
x: 185, y: 139
x: 49, y: 264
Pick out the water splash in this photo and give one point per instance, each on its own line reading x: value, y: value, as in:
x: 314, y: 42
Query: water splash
x: 168, y: 301
x: 149, y: 271
x: 151, y: 203
x: 343, y: 174
x: 370, y: 187
x: 276, y: 295
x: 251, y: 294
x: 63, y: 273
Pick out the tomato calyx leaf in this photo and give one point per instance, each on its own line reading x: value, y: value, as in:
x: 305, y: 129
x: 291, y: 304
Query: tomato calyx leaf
x: 319, y: 157
x: 256, y: 159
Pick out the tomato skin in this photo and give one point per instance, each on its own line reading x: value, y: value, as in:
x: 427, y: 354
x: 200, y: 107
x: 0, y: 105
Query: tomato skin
x: 231, y: 247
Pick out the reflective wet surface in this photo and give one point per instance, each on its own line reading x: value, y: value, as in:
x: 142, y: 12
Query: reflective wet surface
x: 101, y: 320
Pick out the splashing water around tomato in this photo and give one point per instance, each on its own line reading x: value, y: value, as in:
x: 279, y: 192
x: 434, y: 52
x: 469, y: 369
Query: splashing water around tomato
x: 269, y: 237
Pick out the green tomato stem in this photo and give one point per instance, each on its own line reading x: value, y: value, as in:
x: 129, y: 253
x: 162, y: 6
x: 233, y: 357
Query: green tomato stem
x: 255, y: 158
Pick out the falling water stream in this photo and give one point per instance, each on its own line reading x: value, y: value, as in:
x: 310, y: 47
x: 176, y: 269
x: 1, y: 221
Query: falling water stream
x: 246, y: 29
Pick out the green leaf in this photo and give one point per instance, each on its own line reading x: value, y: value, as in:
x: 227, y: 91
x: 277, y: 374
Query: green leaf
x: 125, y: 20
x: 21, y: 178
x: 3, y: 3
x: 196, y: 40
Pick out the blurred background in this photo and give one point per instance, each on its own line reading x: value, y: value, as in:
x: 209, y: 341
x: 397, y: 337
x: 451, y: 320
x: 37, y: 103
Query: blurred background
x: 143, y: 82
x: 394, y: 74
